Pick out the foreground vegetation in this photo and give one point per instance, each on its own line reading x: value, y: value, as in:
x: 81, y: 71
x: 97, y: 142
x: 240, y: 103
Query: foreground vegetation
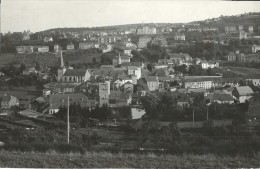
x: 120, y: 160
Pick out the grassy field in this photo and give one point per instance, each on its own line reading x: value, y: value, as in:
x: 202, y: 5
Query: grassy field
x: 244, y: 71
x: 49, y: 59
x: 20, y: 94
x: 7, y: 58
x: 109, y: 160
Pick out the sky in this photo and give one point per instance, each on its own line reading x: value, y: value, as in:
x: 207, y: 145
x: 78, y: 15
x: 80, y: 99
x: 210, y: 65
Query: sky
x: 39, y: 15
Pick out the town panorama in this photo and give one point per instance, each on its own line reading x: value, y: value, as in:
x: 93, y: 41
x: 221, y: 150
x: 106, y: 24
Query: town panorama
x: 145, y: 95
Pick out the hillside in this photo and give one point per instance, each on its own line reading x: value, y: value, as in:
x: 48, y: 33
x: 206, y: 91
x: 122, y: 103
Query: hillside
x: 109, y: 160
x: 245, y: 19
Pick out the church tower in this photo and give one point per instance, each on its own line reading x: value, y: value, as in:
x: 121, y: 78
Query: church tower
x: 62, y: 68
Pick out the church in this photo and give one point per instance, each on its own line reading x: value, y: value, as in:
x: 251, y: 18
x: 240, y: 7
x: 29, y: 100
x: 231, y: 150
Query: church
x: 70, y: 75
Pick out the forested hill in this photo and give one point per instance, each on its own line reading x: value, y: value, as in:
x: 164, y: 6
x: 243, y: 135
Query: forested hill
x: 252, y: 19
x: 241, y: 19
x: 105, y: 28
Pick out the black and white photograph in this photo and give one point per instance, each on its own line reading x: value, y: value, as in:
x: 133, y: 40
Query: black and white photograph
x: 130, y: 84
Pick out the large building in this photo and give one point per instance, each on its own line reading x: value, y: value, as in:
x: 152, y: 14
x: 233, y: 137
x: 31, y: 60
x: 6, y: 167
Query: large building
x: 230, y: 29
x: 152, y: 83
x: 66, y: 75
x: 118, y: 60
x: 24, y: 49
x: 57, y: 101
x: 142, y: 43
x: 146, y: 30
x: 205, y: 82
x: 104, y: 92
x: 85, y: 45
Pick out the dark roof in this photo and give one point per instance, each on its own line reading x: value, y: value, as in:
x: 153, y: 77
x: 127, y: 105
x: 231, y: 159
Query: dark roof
x: 151, y: 79
x: 58, y: 100
x: 220, y: 97
x: 6, y: 98
x: 137, y: 64
x: 75, y: 72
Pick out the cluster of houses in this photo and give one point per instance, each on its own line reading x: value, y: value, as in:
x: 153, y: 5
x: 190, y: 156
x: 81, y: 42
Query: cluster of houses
x: 241, y: 57
x: 125, y: 82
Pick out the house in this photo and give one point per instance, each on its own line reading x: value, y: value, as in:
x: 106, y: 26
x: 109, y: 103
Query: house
x: 160, y: 66
x: 119, y: 99
x: 133, y: 70
x: 159, y: 41
x: 40, y: 104
x: 84, y: 45
x: 56, y: 48
x: 48, y: 39
x: 8, y: 101
x: 232, y: 56
x: 255, y: 48
x: 121, y: 81
x: 146, y: 30
x: 242, y: 93
x: 46, y: 92
x: 28, y: 71
x: 118, y: 60
x: 26, y: 35
x: 254, y: 78
x: 61, y: 100
x: 250, y: 29
x: 43, y: 49
x: 209, y: 64
x: 230, y: 29
x: 242, y: 35
x: 104, y: 92
x: 152, y: 83
x: 107, y: 39
x: 70, y: 46
x: 166, y: 61
x: 183, y: 101
x: 24, y: 49
x: 128, y: 87
x: 220, y: 98
x: 142, y: 43
x: 105, y: 48
x: 180, y: 37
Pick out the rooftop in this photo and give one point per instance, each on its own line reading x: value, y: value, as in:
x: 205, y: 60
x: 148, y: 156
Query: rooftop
x: 75, y: 72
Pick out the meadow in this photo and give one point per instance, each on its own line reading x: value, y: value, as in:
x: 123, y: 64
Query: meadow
x: 53, y: 159
x: 244, y: 71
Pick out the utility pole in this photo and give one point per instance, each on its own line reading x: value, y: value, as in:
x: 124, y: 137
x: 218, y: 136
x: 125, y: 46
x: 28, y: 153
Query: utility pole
x: 207, y: 113
x: 68, y: 121
x: 0, y: 29
x: 193, y: 117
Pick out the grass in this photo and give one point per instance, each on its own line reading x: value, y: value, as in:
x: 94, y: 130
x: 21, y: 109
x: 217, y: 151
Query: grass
x: 19, y: 94
x: 7, y: 58
x: 244, y: 71
x: 53, y: 159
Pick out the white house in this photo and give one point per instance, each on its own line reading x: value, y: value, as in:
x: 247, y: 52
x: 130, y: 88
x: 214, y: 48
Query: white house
x: 242, y: 93
x: 255, y: 48
x: 209, y: 64
x: 133, y: 70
